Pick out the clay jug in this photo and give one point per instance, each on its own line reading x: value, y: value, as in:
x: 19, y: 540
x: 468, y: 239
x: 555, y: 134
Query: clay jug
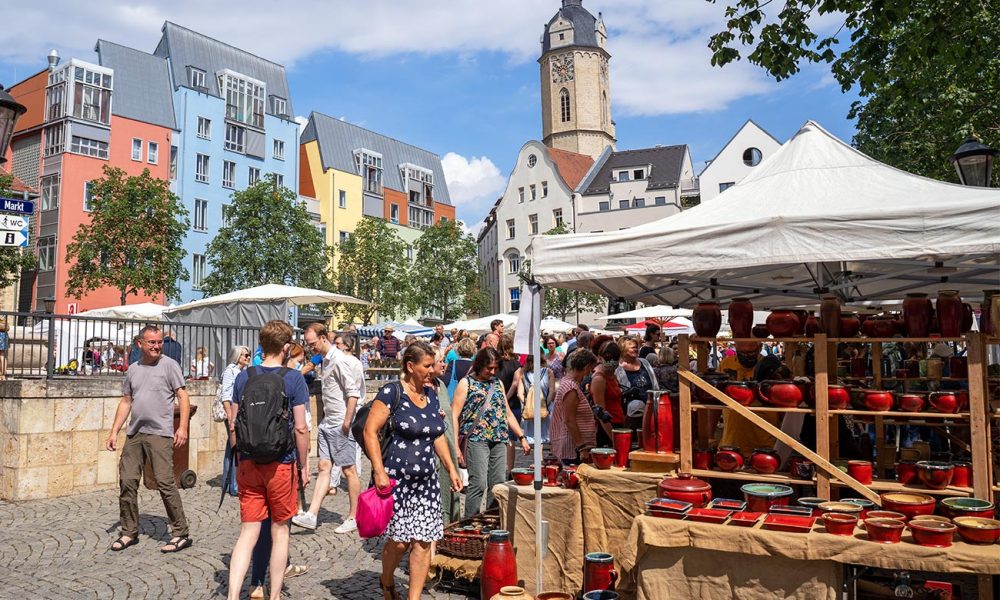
x: 968, y: 317
x: 707, y: 319
x: 499, y: 565
x: 829, y: 315
x: 512, y: 592
x: 949, y: 313
x: 741, y: 317
x: 917, y: 314
x: 811, y: 325
x: 658, y: 422
x: 598, y: 572
x: 782, y: 323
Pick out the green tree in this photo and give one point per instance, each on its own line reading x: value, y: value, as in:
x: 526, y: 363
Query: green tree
x: 269, y: 239
x: 12, y: 260
x: 133, y: 240
x: 446, y: 273
x: 926, y: 70
x: 559, y: 302
x: 373, y: 266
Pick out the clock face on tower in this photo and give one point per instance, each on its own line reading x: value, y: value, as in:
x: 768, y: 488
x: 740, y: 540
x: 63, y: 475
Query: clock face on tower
x: 562, y: 68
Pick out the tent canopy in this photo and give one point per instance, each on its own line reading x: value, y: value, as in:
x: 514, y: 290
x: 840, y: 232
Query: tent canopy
x: 816, y: 216
x: 658, y: 311
x: 143, y: 310
x: 271, y: 292
x: 483, y: 323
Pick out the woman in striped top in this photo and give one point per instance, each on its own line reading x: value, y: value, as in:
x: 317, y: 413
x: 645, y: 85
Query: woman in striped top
x: 573, y: 430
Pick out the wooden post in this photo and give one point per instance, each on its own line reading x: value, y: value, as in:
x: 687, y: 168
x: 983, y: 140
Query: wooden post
x: 822, y: 379
x: 979, y: 418
x: 683, y: 364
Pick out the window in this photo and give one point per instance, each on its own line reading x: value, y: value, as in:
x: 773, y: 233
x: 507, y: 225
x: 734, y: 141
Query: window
x: 564, y: 110
x: 369, y: 165
x: 50, y: 191
x: 344, y: 236
x: 235, y: 137
x: 394, y: 213
x: 533, y: 224
x: 515, y: 299
x: 253, y: 176
x: 638, y: 174
x: 47, y: 253
x: 342, y: 199
x: 228, y: 174
x: 660, y: 200
x: 510, y: 229
x: 545, y: 189
x: 201, y: 168
x: 244, y: 98
x: 534, y: 193
x: 623, y: 203
x: 200, y: 214
x: 88, y: 196
x: 623, y: 176
x: 54, y: 140
x: 604, y: 206
x: 279, y: 149
x: 227, y: 216
x: 196, y: 77
x: 414, y: 197
x: 198, y: 267
x: 56, y: 99
x: 204, y: 128
x: 725, y: 186
x: 513, y: 263
x: 751, y: 157
x: 173, y: 162
x: 279, y: 106
x: 420, y: 217
x: 409, y: 253
x: 520, y: 195
x: 557, y: 218
x: 532, y: 160
x: 92, y: 95
x: 279, y: 180
x: 639, y: 203
x: 88, y: 147
x: 152, y: 153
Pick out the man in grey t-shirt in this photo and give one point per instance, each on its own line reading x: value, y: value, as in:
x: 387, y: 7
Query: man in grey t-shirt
x: 150, y: 388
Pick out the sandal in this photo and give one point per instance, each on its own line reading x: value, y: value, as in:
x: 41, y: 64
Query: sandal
x: 177, y: 544
x: 122, y: 544
x: 296, y: 570
x: 258, y: 593
x: 389, y: 592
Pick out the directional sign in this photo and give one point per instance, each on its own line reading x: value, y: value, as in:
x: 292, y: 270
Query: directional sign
x: 21, y: 207
x: 14, y: 238
x: 13, y: 223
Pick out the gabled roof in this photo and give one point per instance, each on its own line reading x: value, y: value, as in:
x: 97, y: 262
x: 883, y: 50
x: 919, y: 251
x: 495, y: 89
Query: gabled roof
x: 572, y: 167
x: 339, y: 139
x: 667, y: 163
x: 735, y: 135
x: 19, y: 186
x: 142, y: 84
x: 184, y: 47
x: 584, y: 25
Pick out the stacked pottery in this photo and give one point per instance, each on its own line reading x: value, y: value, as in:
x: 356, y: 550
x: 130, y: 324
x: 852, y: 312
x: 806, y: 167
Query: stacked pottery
x: 949, y: 313
x: 741, y: 317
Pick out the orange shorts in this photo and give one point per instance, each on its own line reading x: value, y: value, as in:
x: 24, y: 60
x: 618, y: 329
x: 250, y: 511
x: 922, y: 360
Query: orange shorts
x: 267, y: 490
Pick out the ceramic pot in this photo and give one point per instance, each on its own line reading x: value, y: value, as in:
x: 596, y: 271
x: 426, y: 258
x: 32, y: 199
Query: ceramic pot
x: 741, y: 317
x: 934, y: 474
x: 764, y: 460
x: 879, y: 327
x: 780, y: 393
x: 523, y: 475
x: 603, y: 457
x: 962, y: 475
x: 887, y: 514
x: 846, y: 508
x: 866, y: 505
x: 728, y: 458
x: 968, y: 317
x: 499, y: 568
x: 599, y: 572
x: 829, y: 313
x: 783, y: 323
x: 760, y: 332
x: 623, y: 445
x: 934, y: 534
x: 910, y: 402
x: 704, y: 459
x: 804, y: 469
x: 554, y: 596
x: 840, y: 524
x: 917, y: 314
x: 813, y: 503
x: 963, y: 400
x: 976, y: 530
x: 949, y: 313
x: 811, y: 325
x: 868, y: 326
x: 706, y: 319
x: 601, y: 595
x: 906, y: 471
x: 512, y: 592
x: 944, y: 402
x: 850, y: 325
x: 910, y: 504
x: 986, y: 320
x: 659, y: 427
x: 551, y: 474
x: 762, y: 496
x: 838, y: 397
x: 569, y: 479
x: 860, y: 470
x: 968, y: 507
x: 741, y: 391
x: 686, y: 488
x: 958, y: 366
x: 884, y: 531
x: 877, y: 400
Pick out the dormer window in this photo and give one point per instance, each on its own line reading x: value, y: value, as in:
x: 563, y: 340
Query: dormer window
x: 196, y: 78
x: 279, y: 106
x: 369, y: 166
x: 244, y: 98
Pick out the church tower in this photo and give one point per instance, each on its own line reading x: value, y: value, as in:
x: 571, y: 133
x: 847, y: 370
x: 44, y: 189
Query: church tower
x: 576, y: 94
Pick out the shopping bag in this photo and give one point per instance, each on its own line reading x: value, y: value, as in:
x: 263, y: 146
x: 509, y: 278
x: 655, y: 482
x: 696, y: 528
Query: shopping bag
x: 375, y: 509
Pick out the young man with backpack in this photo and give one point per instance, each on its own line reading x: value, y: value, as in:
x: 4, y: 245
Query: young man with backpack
x: 271, y: 436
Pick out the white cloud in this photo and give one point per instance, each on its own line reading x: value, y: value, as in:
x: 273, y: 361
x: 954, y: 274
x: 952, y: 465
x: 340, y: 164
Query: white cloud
x: 472, y: 181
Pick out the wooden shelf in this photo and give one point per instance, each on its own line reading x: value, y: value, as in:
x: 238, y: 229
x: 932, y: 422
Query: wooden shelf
x: 890, y: 414
x: 753, y: 408
x: 751, y: 476
x: 895, y: 486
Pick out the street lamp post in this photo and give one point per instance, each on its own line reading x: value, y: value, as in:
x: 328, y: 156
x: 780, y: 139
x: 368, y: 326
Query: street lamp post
x: 10, y: 110
x: 974, y: 162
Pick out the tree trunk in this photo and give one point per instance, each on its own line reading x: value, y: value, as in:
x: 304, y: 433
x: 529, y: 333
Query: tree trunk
x: 124, y: 293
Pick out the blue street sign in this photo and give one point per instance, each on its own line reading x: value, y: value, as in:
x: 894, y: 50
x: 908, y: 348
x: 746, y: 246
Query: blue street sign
x: 21, y: 207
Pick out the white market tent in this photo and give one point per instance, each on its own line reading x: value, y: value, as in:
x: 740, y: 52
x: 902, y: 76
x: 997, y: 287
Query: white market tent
x: 658, y: 311
x: 483, y: 323
x: 142, y: 311
x: 554, y: 325
x: 817, y: 215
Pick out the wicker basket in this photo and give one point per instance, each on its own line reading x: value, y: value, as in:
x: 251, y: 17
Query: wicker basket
x: 460, y: 543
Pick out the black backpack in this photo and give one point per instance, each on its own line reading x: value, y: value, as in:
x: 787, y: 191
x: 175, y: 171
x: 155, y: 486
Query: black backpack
x: 263, y: 418
x: 384, y: 434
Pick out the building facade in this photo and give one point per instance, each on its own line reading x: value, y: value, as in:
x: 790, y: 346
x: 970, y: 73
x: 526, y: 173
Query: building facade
x: 489, y: 262
x: 744, y: 151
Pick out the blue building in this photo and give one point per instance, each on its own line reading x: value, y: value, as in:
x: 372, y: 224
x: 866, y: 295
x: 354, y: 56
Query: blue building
x: 233, y: 113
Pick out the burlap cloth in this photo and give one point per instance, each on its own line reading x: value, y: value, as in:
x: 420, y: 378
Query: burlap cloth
x: 612, y: 499
x: 563, y: 566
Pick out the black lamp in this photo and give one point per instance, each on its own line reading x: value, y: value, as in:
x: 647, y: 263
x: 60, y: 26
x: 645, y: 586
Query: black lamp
x: 10, y: 110
x: 974, y: 162
x: 50, y: 304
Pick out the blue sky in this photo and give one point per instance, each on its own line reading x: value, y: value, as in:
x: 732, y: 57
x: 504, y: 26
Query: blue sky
x: 459, y: 77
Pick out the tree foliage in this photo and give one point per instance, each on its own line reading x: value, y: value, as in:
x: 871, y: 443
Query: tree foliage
x: 133, y: 240
x: 446, y: 274
x: 560, y: 302
x: 12, y: 260
x: 373, y: 266
x: 926, y: 70
x: 269, y: 239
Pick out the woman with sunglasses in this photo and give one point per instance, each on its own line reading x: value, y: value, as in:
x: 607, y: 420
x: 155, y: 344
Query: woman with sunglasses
x: 238, y: 359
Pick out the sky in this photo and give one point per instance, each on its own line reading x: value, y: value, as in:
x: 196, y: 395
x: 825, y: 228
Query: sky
x: 460, y: 77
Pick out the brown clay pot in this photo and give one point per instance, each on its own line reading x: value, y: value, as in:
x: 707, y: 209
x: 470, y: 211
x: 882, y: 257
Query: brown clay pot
x: 850, y: 325
x: 811, y: 325
x: 949, y: 313
x: 917, y: 314
x: 760, y: 332
x: 783, y: 323
x: 707, y: 319
x: 741, y: 317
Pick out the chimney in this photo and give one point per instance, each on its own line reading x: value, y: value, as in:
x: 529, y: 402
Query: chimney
x: 53, y: 59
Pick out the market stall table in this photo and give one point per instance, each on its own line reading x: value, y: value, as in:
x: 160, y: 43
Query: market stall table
x: 562, y: 509
x: 665, y: 558
x: 612, y: 499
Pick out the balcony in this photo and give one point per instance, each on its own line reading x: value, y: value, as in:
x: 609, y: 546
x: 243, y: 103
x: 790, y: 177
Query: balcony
x: 312, y: 207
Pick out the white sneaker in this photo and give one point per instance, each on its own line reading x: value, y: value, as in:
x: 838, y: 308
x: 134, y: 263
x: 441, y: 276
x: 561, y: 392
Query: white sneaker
x: 306, y: 520
x: 347, y: 526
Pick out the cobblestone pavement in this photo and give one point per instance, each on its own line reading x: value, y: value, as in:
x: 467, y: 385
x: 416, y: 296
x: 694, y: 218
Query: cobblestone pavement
x: 58, y: 549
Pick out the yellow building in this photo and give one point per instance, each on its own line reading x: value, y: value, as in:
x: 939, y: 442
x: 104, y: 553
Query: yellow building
x: 338, y: 193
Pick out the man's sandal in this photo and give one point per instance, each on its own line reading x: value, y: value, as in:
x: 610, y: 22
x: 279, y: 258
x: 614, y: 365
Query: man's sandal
x: 177, y: 544
x: 120, y: 544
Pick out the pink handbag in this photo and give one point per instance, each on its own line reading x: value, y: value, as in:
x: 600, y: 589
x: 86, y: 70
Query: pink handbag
x: 375, y: 510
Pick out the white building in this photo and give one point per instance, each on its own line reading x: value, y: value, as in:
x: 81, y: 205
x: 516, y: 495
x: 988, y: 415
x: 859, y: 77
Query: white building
x: 738, y: 157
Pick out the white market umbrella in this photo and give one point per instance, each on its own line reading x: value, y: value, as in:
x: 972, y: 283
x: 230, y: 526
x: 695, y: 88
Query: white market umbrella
x: 270, y: 292
x: 659, y: 311
x: 551, y: 324
x: 483, y: 323
x: 144, y: 310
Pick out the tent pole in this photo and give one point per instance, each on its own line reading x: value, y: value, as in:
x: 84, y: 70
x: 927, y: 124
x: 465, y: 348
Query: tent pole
x: 541, y: 527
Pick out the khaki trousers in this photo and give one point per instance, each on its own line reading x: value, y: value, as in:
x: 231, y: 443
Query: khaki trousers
x: 159, y: 450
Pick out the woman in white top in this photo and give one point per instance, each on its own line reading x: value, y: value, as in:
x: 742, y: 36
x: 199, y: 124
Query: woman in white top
x: 201, y: 367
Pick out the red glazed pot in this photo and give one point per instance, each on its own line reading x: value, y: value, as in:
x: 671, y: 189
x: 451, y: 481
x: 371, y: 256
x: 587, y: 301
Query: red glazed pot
x: 741, y: 317
x: 523, y: 475
x: 868, y: 327
x: 886, y: 514
x: 917, y: 314
x: 569, y: 479
x: 968, y: 507
x: 811, y: 325
x: 686, y: 488
x: 780, y: 393
x: 910, y: 504
x: 934, y: 534
x: 906, y: 471
x: 840, y: 524
x: 963, y: 399
x: 860, y: 470
x: 760, y: 497
x: 949, y: 313
x: 603, y: 457
x: 934, y: 474
x: 877, y: 400
x: 704, y: 459
x: 910, y: 402
x: 623, y: 445
x: 944, y: 402
x: 599, y: 572
x: 706, y: 319
x: 962, y: 475
x: 499, y: 564
x: 764, y: 460
x: 659, y: 427
x: 760, y: 331
x: 839, y: 397
x: 976, y: 530
x: 741, y: 391
x: 850, y: 325
x: 728, y: 458
x: 783, y: 323
x: 884, y: 531
x: 883, y: 327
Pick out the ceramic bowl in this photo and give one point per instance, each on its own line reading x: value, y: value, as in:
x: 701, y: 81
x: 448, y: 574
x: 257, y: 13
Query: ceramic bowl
x: 968, y: 507
x: 935, y: 534
x: 865, y: 504
x: 886, y: 514
x: 937, y: 518
x: 603, y: 457
x: 761, y: 496
x: 884, y: 531
x: 839, y: 523
x: 523, y: 476
x: 813, y: 503
x: 935, y: 474
x: 844, y: 508
x: 976, y: 530
x: 910, y: 504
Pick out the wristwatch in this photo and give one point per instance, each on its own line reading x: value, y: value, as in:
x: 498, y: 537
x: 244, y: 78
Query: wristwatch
x: 520, y: 437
